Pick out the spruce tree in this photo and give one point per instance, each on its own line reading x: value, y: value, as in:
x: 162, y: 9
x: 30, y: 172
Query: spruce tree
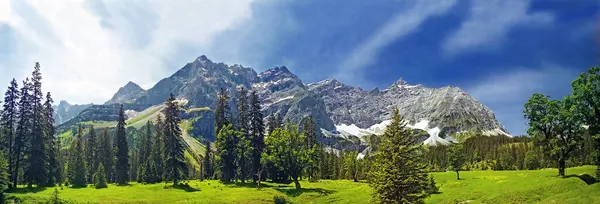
x: 77, y: 163
x: 36, y: 168
x: 54, y: 170
x: 226, y: 149
x: 121, y: 151
x: 91, y: 154
x: 309, y: 130
x: 158, y: 149
x: 175, y: 167
x: 145, y: 143
x: 105, y: 153
x: 208, y: 163
x: 100, y: 177
x: 4, y: 180
x: 243, y: 143
x: 257, y: 137
x: 8, y: 120
x: 222, y: 112
x: 23, y: 131
x: 399, y: 174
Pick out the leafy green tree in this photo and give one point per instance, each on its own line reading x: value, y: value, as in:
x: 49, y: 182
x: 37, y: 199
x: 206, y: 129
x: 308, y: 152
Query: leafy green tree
x: 586, y: 95
x: 531, y: 160
x: 457, y: 159
x: 121, y: 151
x: 226, y: 149
x: 100, y: 177
x: 286, y: 148
x: 175, y: 167
x: 91, y: 154
x: 257, y: 137
x: 351, y: 165
x: 36, y: 171
x: 8, y: 120
x: 553, y: 125
x: 399, y: 174
x: 77, y: 178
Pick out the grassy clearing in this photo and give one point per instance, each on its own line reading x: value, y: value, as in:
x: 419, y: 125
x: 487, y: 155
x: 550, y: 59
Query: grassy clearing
x: 542, y: 186
x: 150, y: 114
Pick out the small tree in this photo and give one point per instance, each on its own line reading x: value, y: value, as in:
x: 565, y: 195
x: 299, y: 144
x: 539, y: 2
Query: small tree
x: 432, y: 188
x: 99, y: 177
x: 4, y: 180
x: 531, y: 160
x: 55, y: 197
x: 457, y: 159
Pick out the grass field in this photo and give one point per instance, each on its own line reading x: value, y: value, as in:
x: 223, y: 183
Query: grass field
x: 542, y: 186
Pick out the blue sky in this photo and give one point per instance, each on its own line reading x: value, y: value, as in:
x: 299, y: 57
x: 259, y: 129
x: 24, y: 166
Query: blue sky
x: 499, y: 51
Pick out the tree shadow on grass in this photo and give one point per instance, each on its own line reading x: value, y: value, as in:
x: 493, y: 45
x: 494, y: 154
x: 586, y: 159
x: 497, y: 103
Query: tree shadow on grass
x: 297, y: 192
x: 186, y: 188
x: 248, y: 185
x: 589, y: 180
x: 27, y: 190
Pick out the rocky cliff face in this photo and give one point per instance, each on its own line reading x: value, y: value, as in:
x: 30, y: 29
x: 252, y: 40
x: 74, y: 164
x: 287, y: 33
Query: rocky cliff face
x: 127, y: 94
x: 64, y: 111
x: 449, y: 108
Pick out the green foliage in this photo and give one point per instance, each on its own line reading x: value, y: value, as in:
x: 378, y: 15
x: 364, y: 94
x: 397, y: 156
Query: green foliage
x: 100, y: 177
x: 55, y: 197
x: 4, y: 176
x: 279, y: 152
x: 351, y: 165
x: 399, y: 174
x: 121, y: 151
x: 77, y: 167
x: 586, y: 94
x: 456, y: 159
x: 227, y: 149
x: 174, y: 160
x: 279, y: 199
x: 531, y: 160
x: 432, y: 187
x: 257, y: 137
x: 91, y: 154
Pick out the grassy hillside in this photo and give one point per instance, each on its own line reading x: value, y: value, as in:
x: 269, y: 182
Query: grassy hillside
x: 476, y: 187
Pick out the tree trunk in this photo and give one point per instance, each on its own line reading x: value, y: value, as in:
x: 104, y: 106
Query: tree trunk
x: 295, y: 178
x: 457, y: 176
x: 561, y: 167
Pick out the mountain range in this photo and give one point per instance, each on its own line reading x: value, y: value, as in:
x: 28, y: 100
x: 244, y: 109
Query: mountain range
x: 332, y: 104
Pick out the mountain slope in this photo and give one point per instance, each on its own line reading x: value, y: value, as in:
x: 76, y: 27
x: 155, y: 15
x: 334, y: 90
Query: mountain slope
x: 126, y: 94
x: 449, y: 108
x: 64, y: 111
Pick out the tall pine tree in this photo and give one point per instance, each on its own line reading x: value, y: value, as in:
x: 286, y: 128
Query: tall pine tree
x: 54, y: 170
x: 257, y: 137
x: 226, y: 149
x: 175, y: 167
x: 399, y: 175
x: 158, y: 148
x: 9, y: 119
x: 243, y: 144
x: 77, y: 163
x: 313, y: 149
x: 222, y: 112
x: 36, y: 169
x: 91, y: 154
x: 121, y: 151
x: 105, y: 153
x: 23, y: 131
x: 208, y: 162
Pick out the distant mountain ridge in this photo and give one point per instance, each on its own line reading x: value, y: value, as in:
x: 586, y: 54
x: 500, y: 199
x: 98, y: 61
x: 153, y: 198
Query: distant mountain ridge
x: 64, y: 111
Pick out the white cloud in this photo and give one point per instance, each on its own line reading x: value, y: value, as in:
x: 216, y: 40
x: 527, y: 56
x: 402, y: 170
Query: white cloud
x: 489, y: 21
x: 88, y: 49
x: 400, y: 25
x: 507, y: 91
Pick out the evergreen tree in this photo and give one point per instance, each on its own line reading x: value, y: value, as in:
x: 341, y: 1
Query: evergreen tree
x: 4, y: 180
x: 309, y: 129
x: 77, y: 161
x: 54, y: 170
x: 23, y: 131
x: 243, y: 142
x: 208, y: 163
x: 121, y: 151
x: 175, y: 167
x: 158, y: 149
x: 257, y: 137
x: 226, y: 149
x: 146, y: 143
x: 105, y: 153
x: 399, y: 174
x: 8, y: 120
x: 351, y: 165
x: 431, y: 187
x: 222, y: 112
x: 36, y: 168
x: 100, y: 177
x: 457, y: 159
x: 91, y: 154
x: 271, y: 124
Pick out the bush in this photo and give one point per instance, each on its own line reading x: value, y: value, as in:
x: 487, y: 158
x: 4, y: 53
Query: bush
x: 279, y: 200
x: 99, y: 177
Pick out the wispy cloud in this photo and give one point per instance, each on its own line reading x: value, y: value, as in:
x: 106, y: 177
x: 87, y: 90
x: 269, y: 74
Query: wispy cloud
x: 488, y: 23
x: 88, y: 49
x: 507, y: 92
x: 403, y: 23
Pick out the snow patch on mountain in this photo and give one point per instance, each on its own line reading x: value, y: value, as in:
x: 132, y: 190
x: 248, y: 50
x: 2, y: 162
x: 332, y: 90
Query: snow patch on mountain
x: 495, y: 132
x: 345, y: 131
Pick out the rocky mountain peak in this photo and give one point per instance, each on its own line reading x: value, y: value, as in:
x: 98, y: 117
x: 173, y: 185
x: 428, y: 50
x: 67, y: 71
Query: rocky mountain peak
x: 127, y: 93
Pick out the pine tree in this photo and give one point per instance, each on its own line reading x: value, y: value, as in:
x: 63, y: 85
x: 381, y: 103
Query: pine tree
x: 222, y: 112
x: 399, y: 174
x: 208, y: 163
x: 77, y: 161
x: 8, y: 120
x: 145, y: 144
x: 23, y: 130
x: 226, y: 149
x: 243, y: 142
x: 36, y: 171
x: 100, y: 177
x: 309, y: 130
x: 4, y: 180
x: 54, y: 170
x: 121, y: 151
x: 91, y: 154
x: 175, y: 167
x: 257, y: 137
x: 431, y: 187
x: 158, y: 149
x: 105, y: 153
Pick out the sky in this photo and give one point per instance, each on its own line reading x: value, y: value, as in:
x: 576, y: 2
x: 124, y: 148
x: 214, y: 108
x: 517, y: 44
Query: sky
x: 499, y: 51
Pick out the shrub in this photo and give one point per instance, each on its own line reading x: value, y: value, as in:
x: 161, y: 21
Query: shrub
x: 99, y: 177
x: 279, y: 200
